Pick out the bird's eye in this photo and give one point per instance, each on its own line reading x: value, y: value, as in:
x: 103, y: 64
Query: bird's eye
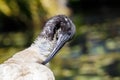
x: 57, y: 35
x: 57, y: 38
x: 69, y: 33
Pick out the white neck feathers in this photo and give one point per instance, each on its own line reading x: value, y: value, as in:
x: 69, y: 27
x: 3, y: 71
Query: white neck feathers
x: 43, y: 46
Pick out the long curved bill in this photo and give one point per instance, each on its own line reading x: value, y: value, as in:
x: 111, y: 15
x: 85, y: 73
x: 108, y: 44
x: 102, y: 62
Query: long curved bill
x: 61, y: 41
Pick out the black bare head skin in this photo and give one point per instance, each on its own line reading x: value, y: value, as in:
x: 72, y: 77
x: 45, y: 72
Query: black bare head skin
x: 59, y: 24
x: 60, y: 28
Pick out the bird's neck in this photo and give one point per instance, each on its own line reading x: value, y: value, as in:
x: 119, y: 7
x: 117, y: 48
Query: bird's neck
x: 43, y: 46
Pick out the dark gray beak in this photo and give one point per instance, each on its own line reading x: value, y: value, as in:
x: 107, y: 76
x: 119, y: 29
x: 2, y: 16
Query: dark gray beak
x: 60, y: 43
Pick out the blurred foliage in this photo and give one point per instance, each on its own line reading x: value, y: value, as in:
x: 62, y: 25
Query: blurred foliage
x: 86, y: 67
x: 93, y: 54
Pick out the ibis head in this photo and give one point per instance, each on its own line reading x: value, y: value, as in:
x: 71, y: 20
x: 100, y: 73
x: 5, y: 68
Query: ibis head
x: 60, y: 29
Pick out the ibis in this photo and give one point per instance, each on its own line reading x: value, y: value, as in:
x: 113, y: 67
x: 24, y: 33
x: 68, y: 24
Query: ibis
x: 31, y: 63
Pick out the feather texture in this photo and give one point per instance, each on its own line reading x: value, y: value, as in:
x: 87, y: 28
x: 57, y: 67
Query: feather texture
x: 26, y: 64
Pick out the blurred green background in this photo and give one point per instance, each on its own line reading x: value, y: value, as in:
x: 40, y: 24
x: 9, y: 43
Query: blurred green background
x: 93, y: 54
